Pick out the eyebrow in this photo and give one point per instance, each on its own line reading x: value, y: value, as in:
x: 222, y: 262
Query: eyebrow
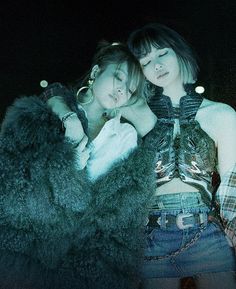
x: 146, y: 56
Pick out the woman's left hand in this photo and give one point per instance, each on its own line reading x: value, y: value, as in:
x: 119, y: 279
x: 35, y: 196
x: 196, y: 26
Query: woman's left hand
x: 74, y: 129
x: 82, y: 153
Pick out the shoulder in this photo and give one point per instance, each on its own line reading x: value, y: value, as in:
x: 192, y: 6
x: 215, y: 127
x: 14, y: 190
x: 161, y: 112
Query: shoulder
x: 216, y: 118
x: 216, y: 111
x: 215, y: 106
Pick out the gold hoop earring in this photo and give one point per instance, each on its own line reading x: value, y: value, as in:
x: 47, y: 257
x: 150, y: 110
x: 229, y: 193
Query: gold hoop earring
x: 81, y: 89
x: 89, y: 86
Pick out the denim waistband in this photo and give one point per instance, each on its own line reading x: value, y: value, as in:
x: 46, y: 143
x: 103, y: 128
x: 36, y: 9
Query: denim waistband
x: 178, y: 211
x: 178, y: 203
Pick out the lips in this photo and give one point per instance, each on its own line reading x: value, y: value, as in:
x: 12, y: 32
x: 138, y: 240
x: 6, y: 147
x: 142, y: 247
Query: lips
x: 162, y: 75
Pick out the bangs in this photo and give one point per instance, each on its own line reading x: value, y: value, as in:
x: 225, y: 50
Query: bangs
x: 141, y: 46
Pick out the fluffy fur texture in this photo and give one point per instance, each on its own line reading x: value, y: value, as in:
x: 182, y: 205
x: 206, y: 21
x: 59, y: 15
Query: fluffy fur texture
x: 57, y: 231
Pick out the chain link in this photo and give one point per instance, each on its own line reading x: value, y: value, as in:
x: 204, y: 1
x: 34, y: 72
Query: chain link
x: 185, y: 247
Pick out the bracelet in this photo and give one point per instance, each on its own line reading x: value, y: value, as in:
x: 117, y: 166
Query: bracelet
x: 66, y: 116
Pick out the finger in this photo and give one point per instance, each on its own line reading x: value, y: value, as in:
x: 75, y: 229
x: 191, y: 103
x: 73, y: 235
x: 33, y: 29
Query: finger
x: 83, y: 159
x: 83, y: 143
x: 118, y: 114
x: 86, y: 154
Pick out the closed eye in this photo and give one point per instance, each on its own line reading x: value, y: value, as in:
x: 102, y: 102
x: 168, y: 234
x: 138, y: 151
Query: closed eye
x: 163, y: 54
x: 118, y: 77
x: 145, y: 64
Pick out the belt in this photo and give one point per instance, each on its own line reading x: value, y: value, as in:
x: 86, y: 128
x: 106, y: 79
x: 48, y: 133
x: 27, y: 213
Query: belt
x: 181, y: 220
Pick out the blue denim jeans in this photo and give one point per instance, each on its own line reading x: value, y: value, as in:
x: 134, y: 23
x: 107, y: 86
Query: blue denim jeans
x: 172, y: 252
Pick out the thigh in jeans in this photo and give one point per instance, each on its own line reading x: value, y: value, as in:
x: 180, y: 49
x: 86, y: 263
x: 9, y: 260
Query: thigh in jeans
x: 210, y: 253
x: 161, y: 283
x: 161, y: 243
x: 219, y: 280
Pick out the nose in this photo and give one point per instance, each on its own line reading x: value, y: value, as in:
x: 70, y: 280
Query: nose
x: 158, y: 66
x: 119, y: 94
x: 120, y: 91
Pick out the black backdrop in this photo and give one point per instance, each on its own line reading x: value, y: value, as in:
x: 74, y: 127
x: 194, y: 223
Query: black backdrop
x: 55, y: 40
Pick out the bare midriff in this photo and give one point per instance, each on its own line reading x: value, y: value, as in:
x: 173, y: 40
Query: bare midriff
x: 175, y: 186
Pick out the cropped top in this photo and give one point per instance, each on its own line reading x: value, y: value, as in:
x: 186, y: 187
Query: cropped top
x: 191, y: 154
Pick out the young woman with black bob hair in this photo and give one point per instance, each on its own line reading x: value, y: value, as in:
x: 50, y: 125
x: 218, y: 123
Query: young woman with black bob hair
x: 197, y: 140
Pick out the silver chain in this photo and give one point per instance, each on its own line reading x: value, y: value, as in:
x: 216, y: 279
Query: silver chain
x: 185, y: 247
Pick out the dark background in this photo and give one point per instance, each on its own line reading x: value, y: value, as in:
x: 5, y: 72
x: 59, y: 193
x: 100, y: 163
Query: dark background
x: 55, y: 40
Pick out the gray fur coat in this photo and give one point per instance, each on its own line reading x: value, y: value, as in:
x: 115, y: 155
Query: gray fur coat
x: 58, y: 231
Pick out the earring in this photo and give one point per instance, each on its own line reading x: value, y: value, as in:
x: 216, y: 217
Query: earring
x: 89, y: 86
x: 109, y: 113
x: 90, y: 82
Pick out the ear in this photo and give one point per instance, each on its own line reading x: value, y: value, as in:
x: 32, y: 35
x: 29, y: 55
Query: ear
x: 94, y: 71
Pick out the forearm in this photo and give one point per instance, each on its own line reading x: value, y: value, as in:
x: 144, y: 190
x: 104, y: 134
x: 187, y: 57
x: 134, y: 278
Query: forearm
x: 226, y: 196
x: 230, y: 231
x: 140, y: 115
x: 58, y: 106
x: 60, y: 98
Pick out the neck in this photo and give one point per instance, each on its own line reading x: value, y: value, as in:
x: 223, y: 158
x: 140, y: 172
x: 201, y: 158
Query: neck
x: 175, y: 92
x: 90, y: 105
x: 95, y: 115
x: 94, y: 112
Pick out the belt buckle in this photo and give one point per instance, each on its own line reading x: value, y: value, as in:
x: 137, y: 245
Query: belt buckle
x: 179, y: 221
